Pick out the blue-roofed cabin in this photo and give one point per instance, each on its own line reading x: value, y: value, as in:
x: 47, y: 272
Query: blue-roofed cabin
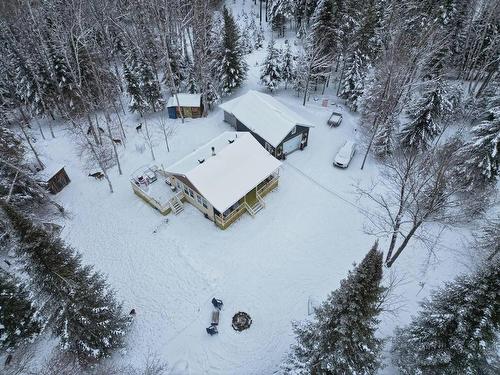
x: 189, y: 104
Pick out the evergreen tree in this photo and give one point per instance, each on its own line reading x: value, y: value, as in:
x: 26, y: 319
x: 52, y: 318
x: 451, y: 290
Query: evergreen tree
x: 322, y: 28
x: 456, y: 329
x: 352, y: 85
x: 287, y: 65
x: 233, y: 65
x: 25, y: 193
x: 246, y: 37
x: 383, y: 142
x: 179, y: 66
x: 150, y: 87
x: 137, y: 101
x: 368, y: 38
x: 259, y: 38
x: 300, y: 74
x: 341, y: 338
x: 425, y: 115
x: 84, y: 312
x: 481, y: 155
x: 270, y: 75
x: 61, y: 73
x: 19, y: 321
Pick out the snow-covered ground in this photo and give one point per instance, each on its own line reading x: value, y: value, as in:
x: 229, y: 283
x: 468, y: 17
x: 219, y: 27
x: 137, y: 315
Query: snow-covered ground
x: 301, y: 245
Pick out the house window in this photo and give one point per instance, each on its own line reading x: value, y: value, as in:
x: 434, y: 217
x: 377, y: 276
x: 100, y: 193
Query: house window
x: 178, y: 184
x: 198, y: 199
x: 204, y: 202
x: 186, y: 190
x: 191, y: 193
x: 294, y: 130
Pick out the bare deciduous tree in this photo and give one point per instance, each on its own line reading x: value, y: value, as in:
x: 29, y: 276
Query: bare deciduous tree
x: 416, y: 190
x: 167, y: 128
x: 149, y: 139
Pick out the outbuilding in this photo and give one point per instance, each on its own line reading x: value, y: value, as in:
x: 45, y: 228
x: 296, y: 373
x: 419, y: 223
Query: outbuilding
x: 189, y: 105
x: 54, y: 177
x: 226, y: 177
x: 276, y: 127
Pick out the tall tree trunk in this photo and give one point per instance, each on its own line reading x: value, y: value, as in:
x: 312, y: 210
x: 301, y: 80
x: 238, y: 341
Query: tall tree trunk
x: 32, y: 147
x: 40, y: 129
x: 149, y: 140
x: 92, y: 129
x: 120, y: 122
x: 106, y: 116
x: 403, y: 245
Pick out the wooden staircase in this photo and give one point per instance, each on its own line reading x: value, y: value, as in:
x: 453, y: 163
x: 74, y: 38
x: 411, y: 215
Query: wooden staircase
x: 258, y: 206
x: 255, y: 208
x: 176, y: 205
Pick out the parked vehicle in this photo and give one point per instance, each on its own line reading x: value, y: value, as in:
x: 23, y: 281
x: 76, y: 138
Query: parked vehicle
x: 345, y: 154
x: 335, y: 119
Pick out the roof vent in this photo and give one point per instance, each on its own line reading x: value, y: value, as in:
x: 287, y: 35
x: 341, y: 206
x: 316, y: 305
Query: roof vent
x: 230, y: 141
x: 213, y: 151
x: 201, y: 161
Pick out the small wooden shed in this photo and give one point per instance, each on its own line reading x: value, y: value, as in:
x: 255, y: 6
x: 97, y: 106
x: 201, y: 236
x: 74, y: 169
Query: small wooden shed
x: 54, y: 177
x: 190, y: 105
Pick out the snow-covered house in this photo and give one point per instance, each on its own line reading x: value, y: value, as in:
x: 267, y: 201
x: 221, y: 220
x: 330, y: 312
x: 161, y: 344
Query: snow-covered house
x: 226, y: 177
x: 189, y: 104
x: 277, y: 128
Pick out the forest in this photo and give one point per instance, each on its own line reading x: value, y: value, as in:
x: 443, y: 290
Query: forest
x: 421, y: 78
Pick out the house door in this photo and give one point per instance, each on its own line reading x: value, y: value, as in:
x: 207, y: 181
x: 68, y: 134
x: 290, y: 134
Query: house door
x: 292, y: 144
x: 187, y: 112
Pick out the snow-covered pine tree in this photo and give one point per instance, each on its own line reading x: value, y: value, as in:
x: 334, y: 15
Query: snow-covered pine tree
x: 341, y: 338
x: 246, y: 35
x: 322, y: 32
x: 368, y: 36
x: 287, y: 65
x: 25, y: 193
x: 270, y: 75
x: 137, y: 101
x: 481, y: 154
x: 383, y: 141
x: 150, y: 87
x: 259, y: 38
x: 456, y: 330
x: 179, y: 66
x: 84, y: 312
x: 252, y: 31
x: 90, y: 323
x: 19, y: 319
x: 233, y: 66
x: 425, y: 115
x: 61, y: 73
x: 300, y: 74
x: 352, y: 85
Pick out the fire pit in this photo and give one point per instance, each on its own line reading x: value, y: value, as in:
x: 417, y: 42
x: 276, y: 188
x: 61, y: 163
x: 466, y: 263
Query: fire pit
x: 241, y: 321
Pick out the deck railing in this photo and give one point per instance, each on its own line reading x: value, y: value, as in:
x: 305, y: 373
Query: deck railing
x: 269, y: 186
x: 224, y: 222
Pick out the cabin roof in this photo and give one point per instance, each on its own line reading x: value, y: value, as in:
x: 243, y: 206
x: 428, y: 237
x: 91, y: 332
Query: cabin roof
x: 50, y: 170
x: 185, y: 100
x: 234, y: 170
x: 265, y: 116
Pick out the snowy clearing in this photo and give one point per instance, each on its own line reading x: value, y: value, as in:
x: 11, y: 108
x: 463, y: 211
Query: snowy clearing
x: 301, y: 245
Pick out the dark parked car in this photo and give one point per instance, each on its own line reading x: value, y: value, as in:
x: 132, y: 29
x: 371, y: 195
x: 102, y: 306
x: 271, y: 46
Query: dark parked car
x: 335, y: 119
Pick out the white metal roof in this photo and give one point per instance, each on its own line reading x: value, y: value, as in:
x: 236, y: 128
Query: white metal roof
x: 185, y: 100
x: 235, y: 169
x: 265, y: 116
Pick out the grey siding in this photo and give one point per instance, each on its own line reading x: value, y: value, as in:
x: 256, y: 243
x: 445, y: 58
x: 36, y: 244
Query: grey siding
x: 242, y: 128
x: 230, y: 119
